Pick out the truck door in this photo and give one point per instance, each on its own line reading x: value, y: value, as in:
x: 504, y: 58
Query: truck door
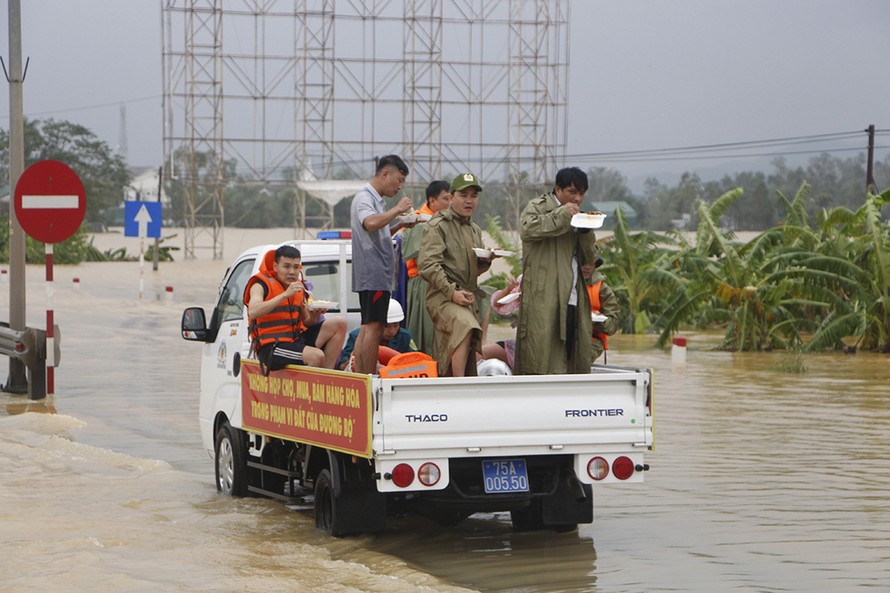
x: 219, y: 379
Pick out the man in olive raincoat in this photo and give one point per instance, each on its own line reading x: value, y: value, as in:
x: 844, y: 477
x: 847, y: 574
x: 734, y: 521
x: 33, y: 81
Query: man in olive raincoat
x: 553, y: 334
x: 417, y: 320
x: 451, y: 269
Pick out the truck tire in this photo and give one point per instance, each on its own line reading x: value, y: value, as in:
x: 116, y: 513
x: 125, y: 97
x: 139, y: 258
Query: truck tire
x: 528, y: 518
x: 326, y: 505
x: 531, y: 518
x: 231, y: 461
x: 570, y: 504
x: 447, y: 518
x: 347, y: 501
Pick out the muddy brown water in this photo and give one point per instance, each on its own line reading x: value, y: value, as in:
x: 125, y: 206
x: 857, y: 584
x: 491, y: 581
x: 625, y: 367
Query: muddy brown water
x: 761, y: 480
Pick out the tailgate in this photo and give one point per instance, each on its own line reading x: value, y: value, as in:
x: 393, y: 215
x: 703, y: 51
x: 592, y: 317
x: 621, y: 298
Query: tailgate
x: 527, y: 414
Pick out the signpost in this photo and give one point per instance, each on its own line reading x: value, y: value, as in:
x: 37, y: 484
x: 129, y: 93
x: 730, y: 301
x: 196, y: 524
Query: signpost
x: 50, y: 204
x: 50, y: 201
x: 142, y: 219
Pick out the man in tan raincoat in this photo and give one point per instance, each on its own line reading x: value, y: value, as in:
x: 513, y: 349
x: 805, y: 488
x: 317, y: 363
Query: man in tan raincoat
x: 451, y: 269
x: 553, y: 334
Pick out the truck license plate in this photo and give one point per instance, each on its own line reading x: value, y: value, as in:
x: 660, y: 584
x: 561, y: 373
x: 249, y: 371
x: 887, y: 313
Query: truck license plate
x: 507, y: 475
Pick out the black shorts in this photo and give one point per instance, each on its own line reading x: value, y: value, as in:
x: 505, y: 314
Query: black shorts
x: 311, y: 335
x: 375, y: 305
x: 284, y: 353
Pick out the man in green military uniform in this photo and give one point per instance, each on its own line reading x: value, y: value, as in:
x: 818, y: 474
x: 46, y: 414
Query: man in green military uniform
x: 553, y: 334
x: 451, y: 268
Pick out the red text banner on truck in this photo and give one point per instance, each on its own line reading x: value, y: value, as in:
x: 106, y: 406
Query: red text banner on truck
x: 308, y: 405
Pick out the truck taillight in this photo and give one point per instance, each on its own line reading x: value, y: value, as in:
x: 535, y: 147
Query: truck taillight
x: 402, y: 475
x: 429, y: 474
x: 623, y: 468
x: 597, y: 468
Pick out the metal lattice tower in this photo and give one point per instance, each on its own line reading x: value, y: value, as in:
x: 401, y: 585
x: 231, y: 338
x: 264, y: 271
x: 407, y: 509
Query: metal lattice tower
x: 538, y: 87
x: 316, y: 89
x: 313, y: 90
x: 422, y: 132
x: 193, y: 79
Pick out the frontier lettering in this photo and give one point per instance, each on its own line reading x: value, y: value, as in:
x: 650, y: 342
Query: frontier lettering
x: 597, y: 412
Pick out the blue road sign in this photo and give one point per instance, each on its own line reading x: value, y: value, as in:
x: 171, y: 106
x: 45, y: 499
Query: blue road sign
x: 142, y: 219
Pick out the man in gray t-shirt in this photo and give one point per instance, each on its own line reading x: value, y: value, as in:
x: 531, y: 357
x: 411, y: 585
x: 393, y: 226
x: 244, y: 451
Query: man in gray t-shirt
x: 373, y: 260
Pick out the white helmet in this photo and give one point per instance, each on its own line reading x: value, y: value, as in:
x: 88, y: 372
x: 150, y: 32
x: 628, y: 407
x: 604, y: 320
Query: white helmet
x: 395, y: 313
x: 492, y: 367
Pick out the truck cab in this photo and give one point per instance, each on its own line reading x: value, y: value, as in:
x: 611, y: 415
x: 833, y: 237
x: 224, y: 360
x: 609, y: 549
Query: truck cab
x: 225, y: 333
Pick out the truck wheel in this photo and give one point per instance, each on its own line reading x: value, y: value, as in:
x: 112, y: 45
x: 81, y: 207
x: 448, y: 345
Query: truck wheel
x: 531, y: 518
x: 528, y: 518
x: 231, y: 464
x: 447, y: 518
x: 325, y: 503
x: 354, y: 509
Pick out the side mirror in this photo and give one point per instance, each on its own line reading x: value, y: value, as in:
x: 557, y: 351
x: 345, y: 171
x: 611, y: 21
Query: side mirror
x: 194, y: 325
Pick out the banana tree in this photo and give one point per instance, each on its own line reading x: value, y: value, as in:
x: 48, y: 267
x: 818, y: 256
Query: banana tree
x: 737, y: 285
x: 640, y: 270
x: 854, y: 265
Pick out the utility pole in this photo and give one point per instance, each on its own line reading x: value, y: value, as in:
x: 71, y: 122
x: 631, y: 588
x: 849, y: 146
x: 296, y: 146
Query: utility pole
x: 154, y: 255
x: 870, y: 170
x: 17, y: 381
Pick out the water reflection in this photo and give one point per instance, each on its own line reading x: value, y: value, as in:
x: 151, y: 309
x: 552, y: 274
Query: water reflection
x: 20, y: 404
x: 485, y: 553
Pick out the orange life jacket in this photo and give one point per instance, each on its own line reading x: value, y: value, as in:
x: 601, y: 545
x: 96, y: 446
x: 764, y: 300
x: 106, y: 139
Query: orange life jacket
x: 593, y: 291
x: 410, y: 365
x: 283, y: 324
x: 384, y: 355
x: 411, y: 264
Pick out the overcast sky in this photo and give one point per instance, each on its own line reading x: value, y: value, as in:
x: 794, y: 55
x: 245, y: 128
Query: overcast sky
x: 644, y: 74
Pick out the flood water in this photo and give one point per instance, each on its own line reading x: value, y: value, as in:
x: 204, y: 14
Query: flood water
x: 761, y: 480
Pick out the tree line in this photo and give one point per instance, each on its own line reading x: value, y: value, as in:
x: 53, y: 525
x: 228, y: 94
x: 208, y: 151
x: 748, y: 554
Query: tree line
x: 833, y: 182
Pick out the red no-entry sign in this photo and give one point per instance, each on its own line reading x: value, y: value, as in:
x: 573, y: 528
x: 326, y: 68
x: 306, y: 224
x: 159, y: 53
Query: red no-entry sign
x: 50, y: 201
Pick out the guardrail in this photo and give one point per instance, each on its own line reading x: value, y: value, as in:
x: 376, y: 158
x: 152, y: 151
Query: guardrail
x: 29, y: 346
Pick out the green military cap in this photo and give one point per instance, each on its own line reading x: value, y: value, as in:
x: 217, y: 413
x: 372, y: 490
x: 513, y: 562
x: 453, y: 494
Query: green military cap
x: 465, y: 180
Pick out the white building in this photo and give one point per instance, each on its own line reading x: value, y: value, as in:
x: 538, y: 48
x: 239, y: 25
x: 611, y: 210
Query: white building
x: 144, y: 186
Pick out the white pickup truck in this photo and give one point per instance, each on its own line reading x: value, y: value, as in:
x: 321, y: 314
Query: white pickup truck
x: 362, y: 447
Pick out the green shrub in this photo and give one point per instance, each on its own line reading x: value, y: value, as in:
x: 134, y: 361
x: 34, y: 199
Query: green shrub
x: 71, y: 251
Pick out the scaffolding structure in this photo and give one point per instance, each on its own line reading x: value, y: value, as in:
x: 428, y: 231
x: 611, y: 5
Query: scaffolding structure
x: 313, y: 90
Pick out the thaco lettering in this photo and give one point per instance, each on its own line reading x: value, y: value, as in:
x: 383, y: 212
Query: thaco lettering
x: 426, y: 417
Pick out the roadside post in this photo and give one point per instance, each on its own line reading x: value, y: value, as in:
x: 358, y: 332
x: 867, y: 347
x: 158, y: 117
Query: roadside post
x: 142, y: 219
x: 50, y: 204
x: 678, y: 351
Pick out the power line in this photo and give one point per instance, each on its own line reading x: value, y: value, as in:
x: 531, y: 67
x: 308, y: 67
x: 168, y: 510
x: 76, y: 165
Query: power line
x: 607, y: 159
x: 723, y: 147
x: 656, y: 158
x: 89, y: 107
